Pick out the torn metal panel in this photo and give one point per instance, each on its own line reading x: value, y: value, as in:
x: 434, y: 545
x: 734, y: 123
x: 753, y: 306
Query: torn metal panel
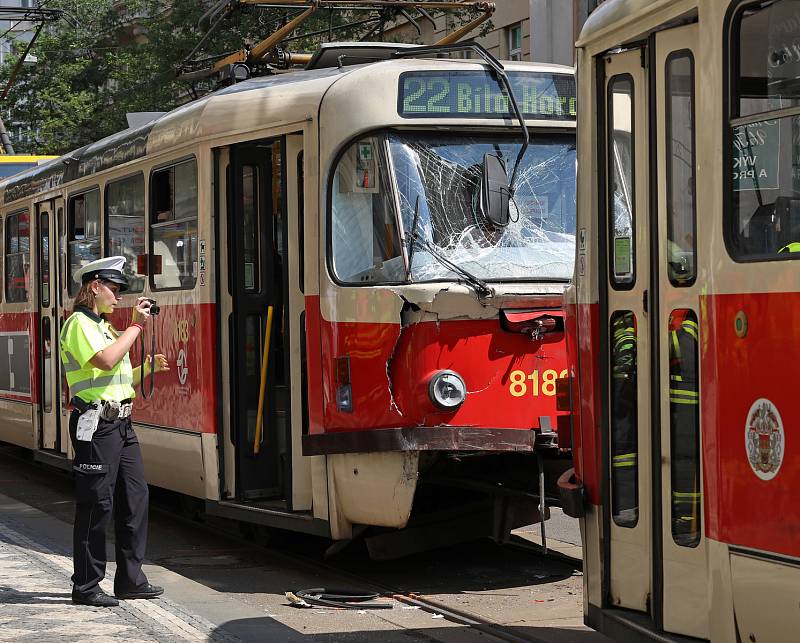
x: 439, y: 302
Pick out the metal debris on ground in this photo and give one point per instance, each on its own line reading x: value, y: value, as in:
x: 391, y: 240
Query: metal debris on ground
x: 340, y: 598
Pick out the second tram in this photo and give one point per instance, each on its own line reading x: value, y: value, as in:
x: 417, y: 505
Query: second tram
x: 684, y: 321
x: 354, y: 339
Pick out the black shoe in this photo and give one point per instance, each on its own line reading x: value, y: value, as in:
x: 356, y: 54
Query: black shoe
x: 145, y: 591
x: 101, y: 599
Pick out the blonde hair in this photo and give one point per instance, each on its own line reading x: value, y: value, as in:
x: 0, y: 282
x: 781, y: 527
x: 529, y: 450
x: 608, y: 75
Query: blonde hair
x: 85, y: 296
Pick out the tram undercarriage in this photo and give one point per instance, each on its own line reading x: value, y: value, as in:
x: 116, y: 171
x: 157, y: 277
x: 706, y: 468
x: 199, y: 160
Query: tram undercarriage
x: 405, y: 502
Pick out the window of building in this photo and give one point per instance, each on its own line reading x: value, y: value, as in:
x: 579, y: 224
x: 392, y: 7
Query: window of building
x: 763, y: 213
x: 125, y: 225
x: 18, y: 257
x: 515, y: 42
x: 173, y: 226
x: 84, y: 234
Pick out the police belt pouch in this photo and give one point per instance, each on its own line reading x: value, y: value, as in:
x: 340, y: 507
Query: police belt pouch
x: 87, y: 424
x: 111, y: 410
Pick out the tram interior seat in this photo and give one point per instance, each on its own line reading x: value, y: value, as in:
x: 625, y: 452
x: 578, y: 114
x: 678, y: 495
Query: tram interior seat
x: 772, y: 226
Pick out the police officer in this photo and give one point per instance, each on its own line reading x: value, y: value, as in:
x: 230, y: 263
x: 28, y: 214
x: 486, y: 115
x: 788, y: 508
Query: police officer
x: 108, y: 463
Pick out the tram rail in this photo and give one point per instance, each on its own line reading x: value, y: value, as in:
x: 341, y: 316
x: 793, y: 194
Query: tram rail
x: 164, y: 504
x: 232, y: 529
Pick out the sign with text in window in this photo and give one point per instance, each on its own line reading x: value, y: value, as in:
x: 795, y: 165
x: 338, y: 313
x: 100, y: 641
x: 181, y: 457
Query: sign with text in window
x: 756, y: 156
x: 477, y: 94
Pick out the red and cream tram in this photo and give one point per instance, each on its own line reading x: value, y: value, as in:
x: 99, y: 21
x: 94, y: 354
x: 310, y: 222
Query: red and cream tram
x: 684, y: 320
x: 350, y: 336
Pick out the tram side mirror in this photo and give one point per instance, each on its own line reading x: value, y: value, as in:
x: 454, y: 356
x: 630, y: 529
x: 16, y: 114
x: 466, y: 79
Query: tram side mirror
x: 493, y: 201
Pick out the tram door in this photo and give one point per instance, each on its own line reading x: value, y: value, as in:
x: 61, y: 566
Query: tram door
x: 656, y: 555
x: 680, y: 549
x: 257, y: 269
x: 52, y: 436
x: 627, y: 329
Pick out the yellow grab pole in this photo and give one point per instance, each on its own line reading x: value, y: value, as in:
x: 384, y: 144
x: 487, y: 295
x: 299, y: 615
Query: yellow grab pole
x: 263, y: 387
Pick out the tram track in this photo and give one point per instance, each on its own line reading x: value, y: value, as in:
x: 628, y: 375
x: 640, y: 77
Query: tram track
x: 231, y: 530
x: 310, y: 561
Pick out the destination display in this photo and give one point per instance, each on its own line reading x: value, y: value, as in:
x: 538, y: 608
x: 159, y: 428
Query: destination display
x: 476, y: 94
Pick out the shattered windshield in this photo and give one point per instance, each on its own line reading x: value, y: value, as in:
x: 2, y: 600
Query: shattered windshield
x: 438, y: 179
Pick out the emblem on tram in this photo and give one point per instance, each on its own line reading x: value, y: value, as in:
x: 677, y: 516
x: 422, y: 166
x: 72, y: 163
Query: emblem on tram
x: 764, y: 439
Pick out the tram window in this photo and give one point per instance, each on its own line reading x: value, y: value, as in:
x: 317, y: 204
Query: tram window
x: 2, y: 245
x: 684, y: 427
x: 763, y: 218
x: 250, y: 235
x: 624, y: 420
x: 173, y: 226
x: 47, y: 369
x: 680, y: 136
x: 301, y: 239
x: 621, y: 186
x: 17, y: 258
x: 768, y: 66
x: 44, y: 259
x: 365, y: 240
x: 84, y: 233
x: 125, y: 225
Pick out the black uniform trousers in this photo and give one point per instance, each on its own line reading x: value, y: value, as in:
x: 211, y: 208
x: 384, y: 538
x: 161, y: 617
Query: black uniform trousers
x: 109, y: 476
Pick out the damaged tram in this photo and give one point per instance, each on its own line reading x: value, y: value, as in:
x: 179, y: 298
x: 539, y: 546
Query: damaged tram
x: 361, y: 299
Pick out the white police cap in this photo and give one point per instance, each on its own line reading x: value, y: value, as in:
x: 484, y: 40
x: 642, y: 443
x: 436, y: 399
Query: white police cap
x: 107, y: 268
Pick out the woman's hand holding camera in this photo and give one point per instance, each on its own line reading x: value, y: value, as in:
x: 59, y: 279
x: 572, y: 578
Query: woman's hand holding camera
x: 141, y: 311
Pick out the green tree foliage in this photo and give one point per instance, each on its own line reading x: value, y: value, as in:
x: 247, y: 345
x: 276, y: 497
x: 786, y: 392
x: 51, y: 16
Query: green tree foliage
x: 122, y: 57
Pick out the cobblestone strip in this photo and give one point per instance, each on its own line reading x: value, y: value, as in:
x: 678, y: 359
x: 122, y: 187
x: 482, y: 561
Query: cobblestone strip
x: 34, y: 574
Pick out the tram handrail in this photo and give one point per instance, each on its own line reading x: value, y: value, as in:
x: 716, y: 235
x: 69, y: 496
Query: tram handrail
x: 263, y: 385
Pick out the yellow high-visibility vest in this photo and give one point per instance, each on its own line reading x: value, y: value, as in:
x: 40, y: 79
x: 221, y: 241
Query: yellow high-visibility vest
x: 83, y: 335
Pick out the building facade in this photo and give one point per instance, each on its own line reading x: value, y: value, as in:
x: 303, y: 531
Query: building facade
x: 532, y: 30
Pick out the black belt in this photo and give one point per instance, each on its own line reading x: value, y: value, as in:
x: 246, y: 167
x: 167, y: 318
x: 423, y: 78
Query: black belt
x: 107, y: 407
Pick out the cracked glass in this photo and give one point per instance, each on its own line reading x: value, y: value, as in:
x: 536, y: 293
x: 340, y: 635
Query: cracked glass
x: 438, y: 179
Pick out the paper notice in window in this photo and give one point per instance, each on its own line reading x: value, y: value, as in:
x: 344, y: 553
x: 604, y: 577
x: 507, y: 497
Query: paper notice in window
x: 622, y: 256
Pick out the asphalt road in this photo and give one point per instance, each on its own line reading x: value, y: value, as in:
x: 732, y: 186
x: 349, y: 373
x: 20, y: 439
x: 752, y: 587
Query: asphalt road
x: 240, y: 584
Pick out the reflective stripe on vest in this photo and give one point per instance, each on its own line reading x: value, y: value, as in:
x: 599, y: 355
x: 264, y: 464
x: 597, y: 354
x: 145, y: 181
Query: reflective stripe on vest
x: 624, y: 460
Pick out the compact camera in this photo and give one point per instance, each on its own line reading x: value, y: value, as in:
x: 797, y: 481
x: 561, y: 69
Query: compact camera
x: 154, y: 307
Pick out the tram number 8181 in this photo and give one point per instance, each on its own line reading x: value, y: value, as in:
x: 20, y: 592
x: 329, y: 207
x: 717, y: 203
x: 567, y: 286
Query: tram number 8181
x: 544, y: 385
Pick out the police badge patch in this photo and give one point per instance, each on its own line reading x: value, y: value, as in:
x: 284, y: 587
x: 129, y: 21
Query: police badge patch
x: 764, y: 439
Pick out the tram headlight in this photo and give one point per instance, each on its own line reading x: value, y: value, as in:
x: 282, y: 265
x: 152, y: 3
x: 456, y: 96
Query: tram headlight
x: 447, y: 390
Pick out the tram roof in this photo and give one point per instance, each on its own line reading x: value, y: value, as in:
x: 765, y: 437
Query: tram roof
x: 184, y: 124
x: 613, y: 13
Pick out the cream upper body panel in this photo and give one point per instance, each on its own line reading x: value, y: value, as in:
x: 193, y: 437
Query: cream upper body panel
x: 248, y: 106
x: 341, y: 119
x: 616, y: 22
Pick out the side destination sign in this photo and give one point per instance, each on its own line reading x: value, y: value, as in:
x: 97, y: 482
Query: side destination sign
x: 476, y: 94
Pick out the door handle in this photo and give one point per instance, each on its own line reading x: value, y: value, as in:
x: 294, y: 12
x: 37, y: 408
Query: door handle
x: 644, y: 301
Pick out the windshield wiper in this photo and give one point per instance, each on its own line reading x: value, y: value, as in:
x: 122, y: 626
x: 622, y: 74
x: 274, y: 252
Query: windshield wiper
x: 411, y: 239
x: 483, y: 290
